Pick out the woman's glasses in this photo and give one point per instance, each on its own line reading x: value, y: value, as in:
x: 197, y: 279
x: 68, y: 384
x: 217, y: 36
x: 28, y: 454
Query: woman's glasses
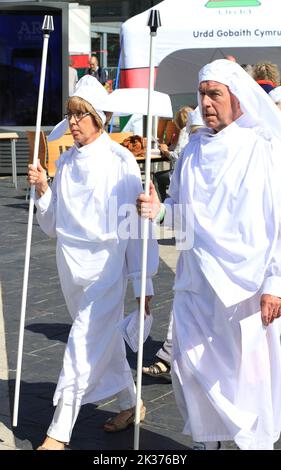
x: 77, y: 116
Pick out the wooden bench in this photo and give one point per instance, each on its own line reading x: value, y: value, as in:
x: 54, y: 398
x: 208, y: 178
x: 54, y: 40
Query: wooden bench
x: 119, y: 136
x: 55, y: 149
x: 42, y: 151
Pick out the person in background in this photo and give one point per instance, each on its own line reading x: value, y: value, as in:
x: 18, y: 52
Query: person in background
x: 231, y: 58
x: 72, y: 77
x: 248, y: 68
x: 96, y: 71
x: 225, y: 201
x: 194, y: 121
x: 134, y: 124
x: 161, y: 365
x: 162, y: 178
x: 267, y: 75
x: 275, y: 95
x: 98, y: 251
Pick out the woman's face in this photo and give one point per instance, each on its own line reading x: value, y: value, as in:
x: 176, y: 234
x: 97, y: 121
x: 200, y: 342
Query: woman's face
x: 83, y: 127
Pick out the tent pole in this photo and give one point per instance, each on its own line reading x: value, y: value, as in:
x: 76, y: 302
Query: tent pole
x: 116, y: 84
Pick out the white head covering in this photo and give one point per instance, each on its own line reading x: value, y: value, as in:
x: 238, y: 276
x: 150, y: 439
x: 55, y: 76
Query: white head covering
x: 91, y: 90
x: 254, y: 102
x: 275, y: 94
x: 194, y: 118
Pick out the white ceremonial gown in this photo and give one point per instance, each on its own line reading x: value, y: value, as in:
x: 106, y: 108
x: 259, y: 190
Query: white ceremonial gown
x: 227, y: 365
x: 95, y: 257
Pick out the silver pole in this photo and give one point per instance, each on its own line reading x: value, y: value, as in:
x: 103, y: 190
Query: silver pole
x: 153, y: 22
x: 47, y: 28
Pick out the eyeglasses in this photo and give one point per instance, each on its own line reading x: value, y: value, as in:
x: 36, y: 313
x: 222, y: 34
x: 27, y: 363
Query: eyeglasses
x: 77, y: 116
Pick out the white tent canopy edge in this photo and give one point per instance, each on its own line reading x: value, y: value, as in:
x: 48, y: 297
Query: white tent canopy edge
x: 193, y: 34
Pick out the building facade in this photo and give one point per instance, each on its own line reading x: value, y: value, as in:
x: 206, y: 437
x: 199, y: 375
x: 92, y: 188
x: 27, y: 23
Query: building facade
x: 106, y: 19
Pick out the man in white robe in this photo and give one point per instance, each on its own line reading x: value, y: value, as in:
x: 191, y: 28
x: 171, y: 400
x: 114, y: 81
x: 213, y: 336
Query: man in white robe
x: 90, y: 209
x: 226, y: 195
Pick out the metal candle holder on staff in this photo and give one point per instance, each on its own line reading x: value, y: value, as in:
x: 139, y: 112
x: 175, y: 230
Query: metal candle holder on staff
x: 47, y: 28
x: 154, y: 22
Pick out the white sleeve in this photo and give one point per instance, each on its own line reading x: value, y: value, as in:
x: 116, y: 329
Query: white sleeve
x: 46, y: 212
x: 134, y: 259
x: 272, y: 279
x: 182, y: 141
x: 173, y: 191
x: 134, y: 245
x: 272, y: 282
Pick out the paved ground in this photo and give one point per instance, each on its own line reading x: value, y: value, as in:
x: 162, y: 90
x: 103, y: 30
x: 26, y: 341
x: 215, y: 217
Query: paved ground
x: 47, y: 327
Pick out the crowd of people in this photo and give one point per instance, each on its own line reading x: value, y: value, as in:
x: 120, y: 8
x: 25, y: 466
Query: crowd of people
x: 223, y: 197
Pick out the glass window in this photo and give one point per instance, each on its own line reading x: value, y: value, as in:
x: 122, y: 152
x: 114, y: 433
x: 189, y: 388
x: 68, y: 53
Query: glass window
x: 119, y: 10
x: 20, y: 63
x: 113, y: 48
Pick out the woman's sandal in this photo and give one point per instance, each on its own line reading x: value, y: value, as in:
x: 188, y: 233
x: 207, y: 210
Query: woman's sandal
x: 52, y: 444
x: 157, y: 369
x: 123, y: 420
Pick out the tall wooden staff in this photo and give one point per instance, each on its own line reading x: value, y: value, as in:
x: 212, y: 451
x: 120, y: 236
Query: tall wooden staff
x: 47, y: 28
x: 154, y: 22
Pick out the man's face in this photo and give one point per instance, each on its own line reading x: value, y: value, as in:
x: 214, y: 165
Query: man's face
x: 219, y: 106
x: 93, y: 63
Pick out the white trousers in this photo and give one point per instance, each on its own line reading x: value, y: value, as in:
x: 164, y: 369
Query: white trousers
x: 65, y: 414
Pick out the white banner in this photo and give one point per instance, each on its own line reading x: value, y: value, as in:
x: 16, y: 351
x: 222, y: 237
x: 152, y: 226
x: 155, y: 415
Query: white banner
x: 200, y: 24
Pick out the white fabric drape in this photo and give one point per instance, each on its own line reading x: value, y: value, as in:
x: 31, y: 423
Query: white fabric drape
x: 230, y: 194
x: 235, y: 257
x: 89, y: 209
x: 227, y: 365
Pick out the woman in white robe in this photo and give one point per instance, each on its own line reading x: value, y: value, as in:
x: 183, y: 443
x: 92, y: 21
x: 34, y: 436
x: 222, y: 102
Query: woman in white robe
x: 226, y: 336
x: 90, y: 209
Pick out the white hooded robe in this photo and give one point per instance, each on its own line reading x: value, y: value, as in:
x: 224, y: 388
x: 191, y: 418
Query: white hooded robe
x: 96, y: 255
x: 227, y: 365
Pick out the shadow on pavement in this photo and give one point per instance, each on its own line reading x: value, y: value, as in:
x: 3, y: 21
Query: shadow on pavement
x: 58, y: 331
x: 36, y: 411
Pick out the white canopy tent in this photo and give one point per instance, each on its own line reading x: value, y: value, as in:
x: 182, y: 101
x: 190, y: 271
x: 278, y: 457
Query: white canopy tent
x: 195, y: 32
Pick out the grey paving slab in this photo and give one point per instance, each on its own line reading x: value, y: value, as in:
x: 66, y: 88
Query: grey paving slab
x: 7, y: 440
